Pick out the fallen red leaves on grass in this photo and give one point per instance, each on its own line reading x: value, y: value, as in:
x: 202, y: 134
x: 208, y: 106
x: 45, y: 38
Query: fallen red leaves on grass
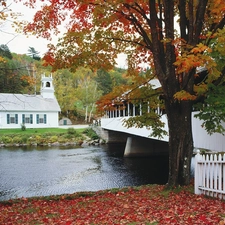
x: 143, y: 205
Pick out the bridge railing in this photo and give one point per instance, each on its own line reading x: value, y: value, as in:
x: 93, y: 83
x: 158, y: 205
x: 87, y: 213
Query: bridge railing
x: 130, y: 109
x: 210, y: 175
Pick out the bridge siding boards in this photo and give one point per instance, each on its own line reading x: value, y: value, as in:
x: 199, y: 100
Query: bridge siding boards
x: 214, y: 142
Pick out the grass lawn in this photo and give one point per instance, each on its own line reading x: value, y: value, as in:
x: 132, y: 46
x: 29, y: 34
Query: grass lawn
x: 45, y: 136
x: 31, y: 131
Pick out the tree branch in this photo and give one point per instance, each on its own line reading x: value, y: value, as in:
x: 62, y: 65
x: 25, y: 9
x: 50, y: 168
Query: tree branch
x: 184, y: 24
x: 199, y: 19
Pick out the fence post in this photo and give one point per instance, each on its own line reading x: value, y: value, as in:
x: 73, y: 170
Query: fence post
x: 198, y: 172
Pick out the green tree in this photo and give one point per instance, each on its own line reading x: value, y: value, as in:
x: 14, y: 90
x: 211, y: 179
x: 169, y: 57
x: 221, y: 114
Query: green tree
x: 117, y: 76
x: 65, y: 91
x: 87, y: 93
x: 104, y: 81
x: 12, y: 75
x: 212, y: 107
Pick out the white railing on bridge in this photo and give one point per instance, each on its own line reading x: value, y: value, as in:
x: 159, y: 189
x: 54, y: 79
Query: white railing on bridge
x: 210, y: 174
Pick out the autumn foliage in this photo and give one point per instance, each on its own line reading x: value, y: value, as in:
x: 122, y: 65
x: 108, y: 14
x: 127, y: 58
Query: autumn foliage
x: 173, y: 38
x: 144, y: 205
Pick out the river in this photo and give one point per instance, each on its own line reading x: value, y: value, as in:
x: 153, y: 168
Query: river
x: 28, y: 172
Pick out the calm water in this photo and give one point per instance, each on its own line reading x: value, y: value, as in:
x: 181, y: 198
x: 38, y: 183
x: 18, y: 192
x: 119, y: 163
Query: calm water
x: 42, y: 172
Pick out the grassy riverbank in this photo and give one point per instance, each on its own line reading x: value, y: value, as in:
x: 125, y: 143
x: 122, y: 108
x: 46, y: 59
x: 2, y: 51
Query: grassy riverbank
x: 45, y: 136
x: 32, y: 131
x: 147, y: 205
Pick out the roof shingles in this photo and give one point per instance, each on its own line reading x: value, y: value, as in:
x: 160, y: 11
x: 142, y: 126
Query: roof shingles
x: 23, y: 102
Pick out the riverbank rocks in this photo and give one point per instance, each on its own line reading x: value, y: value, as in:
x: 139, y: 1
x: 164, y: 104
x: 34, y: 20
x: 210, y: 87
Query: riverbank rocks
x: 83, y: 143
x: 93, y: 142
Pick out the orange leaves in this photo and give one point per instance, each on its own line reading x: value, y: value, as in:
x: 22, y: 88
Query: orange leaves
x: 217, y: 10
x: 186, y: 62
x: 49, y: 59
x: 200, y: 48
x: 3, y: 3
x: 30, y: 80
x: 198, y: 56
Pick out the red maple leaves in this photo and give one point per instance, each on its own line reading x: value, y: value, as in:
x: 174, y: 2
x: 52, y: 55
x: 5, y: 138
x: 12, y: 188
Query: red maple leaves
x: 145, y: 205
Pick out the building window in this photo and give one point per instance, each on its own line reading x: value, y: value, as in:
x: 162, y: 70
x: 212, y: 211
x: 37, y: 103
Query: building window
x: 48, y: 84
x: 12, y: 118
x: 27, y: 118
x: 41, y: 118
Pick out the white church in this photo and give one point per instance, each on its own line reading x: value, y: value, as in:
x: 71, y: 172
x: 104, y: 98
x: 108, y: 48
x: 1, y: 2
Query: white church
x: 33, y: 111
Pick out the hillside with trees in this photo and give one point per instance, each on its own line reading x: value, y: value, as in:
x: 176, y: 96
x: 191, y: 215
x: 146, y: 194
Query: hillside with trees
x: 77, y: 92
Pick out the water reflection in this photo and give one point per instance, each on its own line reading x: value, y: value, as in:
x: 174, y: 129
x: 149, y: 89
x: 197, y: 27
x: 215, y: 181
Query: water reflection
x: 48, y: 171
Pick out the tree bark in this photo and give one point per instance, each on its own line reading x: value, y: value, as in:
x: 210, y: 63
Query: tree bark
x: 180, y: 142
x: 86, y: 114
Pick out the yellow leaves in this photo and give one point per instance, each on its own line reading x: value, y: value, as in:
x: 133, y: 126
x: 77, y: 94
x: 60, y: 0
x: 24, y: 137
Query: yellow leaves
x: 29, y: 79
x: 184, y: 96
x: 200, y: 89
x: 200, y: 48
x: 214, y: 73
x: 220, y: 41
x: 166, y: 40
x: 2, y: 59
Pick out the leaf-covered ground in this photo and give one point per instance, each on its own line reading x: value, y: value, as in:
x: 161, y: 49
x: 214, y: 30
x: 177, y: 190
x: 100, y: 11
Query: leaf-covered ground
x: 144, y: 205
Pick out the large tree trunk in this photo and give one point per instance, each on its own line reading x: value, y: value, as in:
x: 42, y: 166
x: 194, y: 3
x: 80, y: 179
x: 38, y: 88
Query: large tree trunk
x: 180, y: 142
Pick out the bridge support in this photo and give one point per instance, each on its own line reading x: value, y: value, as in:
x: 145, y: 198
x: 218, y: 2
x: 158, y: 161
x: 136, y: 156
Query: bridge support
x: 140, y: 146
x: 110, y: 136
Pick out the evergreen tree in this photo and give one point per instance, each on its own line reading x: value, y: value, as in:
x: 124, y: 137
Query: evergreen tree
x: 34, y: 54
x: 5, y: 52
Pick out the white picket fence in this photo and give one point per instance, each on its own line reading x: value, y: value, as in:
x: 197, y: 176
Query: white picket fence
x: 210, y: 175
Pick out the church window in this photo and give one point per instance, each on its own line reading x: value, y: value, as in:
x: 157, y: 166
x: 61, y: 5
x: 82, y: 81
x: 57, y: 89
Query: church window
x: 41, y: 118
x: 12, y: 118
x: 47, y: 84
x: 27, y: 118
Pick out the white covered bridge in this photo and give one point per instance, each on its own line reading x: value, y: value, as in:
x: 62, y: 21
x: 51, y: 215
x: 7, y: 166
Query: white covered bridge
x: 115, y: 131
x: 139, y: 141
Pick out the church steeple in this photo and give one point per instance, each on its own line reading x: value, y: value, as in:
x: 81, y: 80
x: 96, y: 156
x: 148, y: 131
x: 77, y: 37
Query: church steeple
x: 47, y: 89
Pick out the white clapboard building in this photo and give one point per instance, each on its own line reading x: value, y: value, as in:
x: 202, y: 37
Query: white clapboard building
x: 33, y: 111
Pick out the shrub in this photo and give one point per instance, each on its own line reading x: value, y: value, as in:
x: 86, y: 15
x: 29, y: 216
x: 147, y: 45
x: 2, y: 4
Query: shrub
x: 24, y: 139
x: 62, y: 139
x: 6, y: 139
x: 91, y: 133
x: 39, y: 139
x: 17, y: 140
x: 23, y: 127
x: 71, y: 130
x: 53, y: 139
x: 68, y: 136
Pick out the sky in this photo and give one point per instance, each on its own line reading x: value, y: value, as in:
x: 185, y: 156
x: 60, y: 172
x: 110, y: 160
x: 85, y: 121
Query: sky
x: 20, y: 43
